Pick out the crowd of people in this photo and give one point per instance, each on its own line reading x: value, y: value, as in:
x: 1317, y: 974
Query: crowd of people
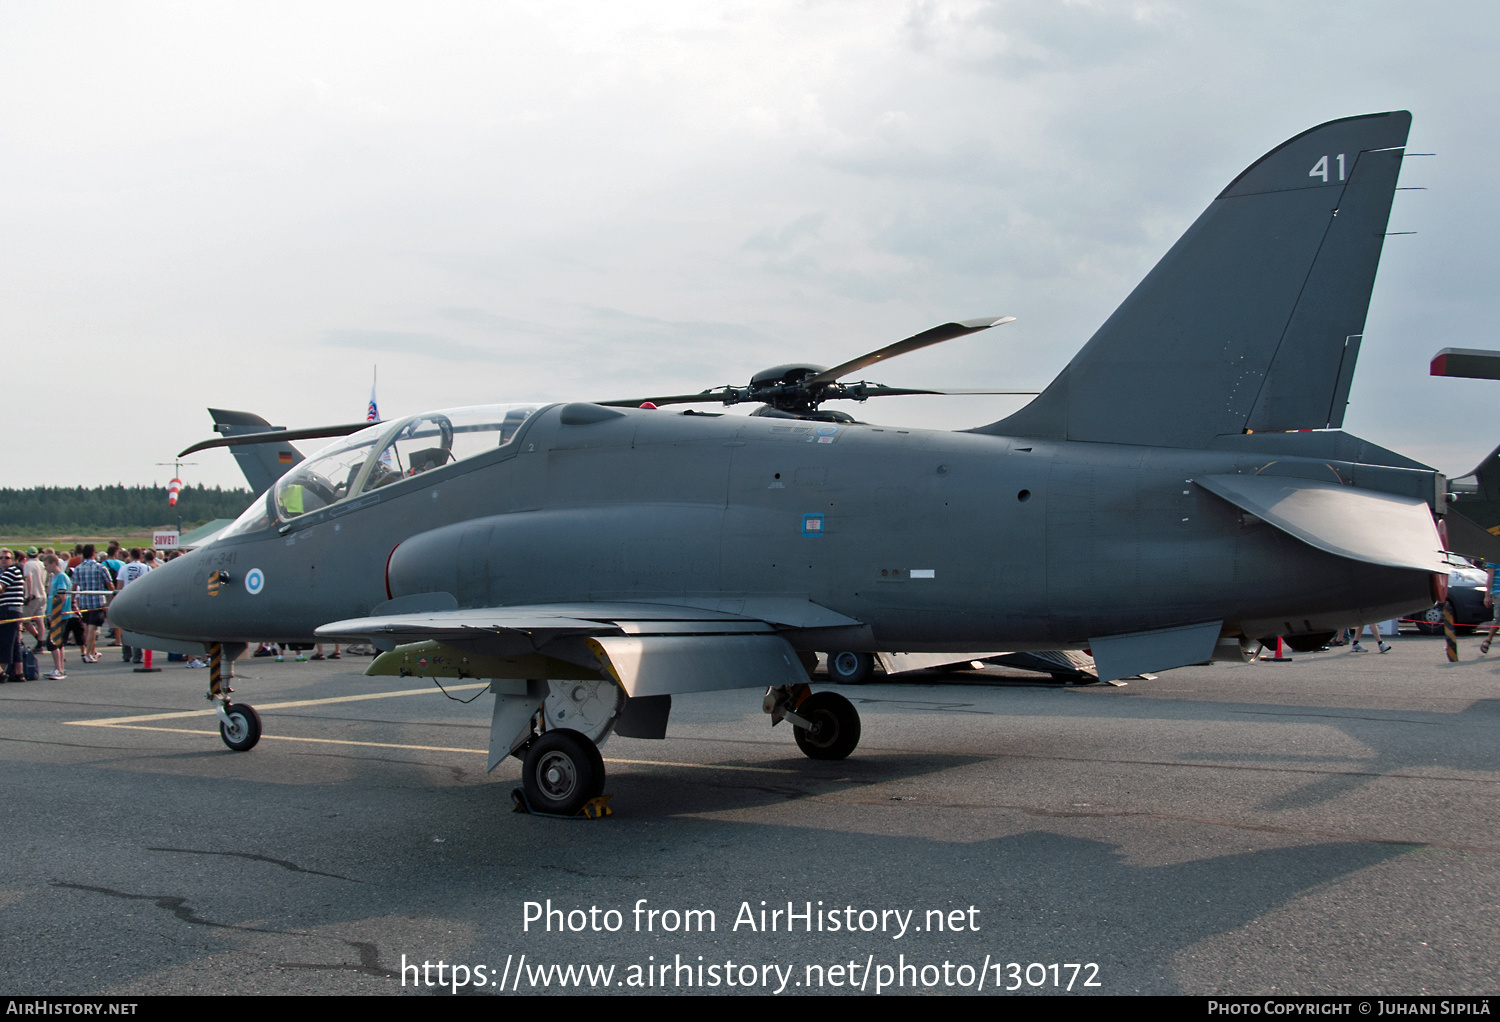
x: 51, y: 599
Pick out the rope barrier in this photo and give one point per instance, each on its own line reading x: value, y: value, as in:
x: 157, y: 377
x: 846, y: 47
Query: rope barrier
x: 66, y: 613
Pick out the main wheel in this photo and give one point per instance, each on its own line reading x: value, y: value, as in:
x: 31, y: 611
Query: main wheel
x: 1431, y: 621
x: 850, y: 668
x: 562, y: 771
x: 243, y: 729
x: 835, y: 726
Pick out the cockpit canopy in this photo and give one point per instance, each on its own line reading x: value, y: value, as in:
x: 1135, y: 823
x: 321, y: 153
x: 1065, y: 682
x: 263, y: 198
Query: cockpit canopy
x: 390, y: 452
x: 386, y: 453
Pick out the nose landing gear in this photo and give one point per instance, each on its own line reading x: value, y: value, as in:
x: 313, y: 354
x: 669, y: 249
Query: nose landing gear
x: 239, y: 724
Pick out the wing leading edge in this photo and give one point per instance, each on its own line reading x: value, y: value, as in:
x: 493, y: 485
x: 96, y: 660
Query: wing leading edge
x: 648, y: 649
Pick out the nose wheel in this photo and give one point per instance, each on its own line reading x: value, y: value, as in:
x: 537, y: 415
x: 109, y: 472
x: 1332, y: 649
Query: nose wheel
x: 239, y: 726
x: 563, y: 770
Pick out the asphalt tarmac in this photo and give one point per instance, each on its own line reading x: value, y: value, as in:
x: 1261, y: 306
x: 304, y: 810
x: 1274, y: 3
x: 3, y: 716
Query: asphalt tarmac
x: 1326, y: 826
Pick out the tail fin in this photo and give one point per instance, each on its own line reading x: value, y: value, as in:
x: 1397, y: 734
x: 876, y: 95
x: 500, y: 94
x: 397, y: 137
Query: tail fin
x: 1252, y: 321
x: 262, y: 464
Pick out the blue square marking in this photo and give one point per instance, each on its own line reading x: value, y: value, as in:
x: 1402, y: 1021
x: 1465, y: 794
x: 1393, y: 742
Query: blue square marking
x: 812, y: 525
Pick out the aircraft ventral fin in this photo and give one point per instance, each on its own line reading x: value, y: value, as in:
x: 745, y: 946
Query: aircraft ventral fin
x: 1362, y: 525
x: 1124, y: 656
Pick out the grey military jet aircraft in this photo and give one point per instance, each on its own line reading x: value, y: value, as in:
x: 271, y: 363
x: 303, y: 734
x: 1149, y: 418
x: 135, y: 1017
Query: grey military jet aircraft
x: 1181, y: 488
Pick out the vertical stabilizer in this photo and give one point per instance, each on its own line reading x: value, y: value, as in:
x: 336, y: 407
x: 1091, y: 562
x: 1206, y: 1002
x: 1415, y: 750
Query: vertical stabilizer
x: 262, y: 464
x: 1253, y: 319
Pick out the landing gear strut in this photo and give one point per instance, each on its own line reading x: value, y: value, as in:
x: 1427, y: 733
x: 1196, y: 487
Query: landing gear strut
x: 826, y: 724
x: 239, y: 724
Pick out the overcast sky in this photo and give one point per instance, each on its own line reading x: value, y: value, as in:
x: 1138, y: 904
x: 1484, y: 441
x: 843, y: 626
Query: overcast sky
x: 251, y: 205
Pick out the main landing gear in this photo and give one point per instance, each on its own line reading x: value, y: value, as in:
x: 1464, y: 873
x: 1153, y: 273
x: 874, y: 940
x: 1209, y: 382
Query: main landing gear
x: 562, y: 772
x: 850, y: 668
x: 826, y: 724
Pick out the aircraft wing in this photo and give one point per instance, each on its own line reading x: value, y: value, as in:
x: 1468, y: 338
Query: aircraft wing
x: 650, y: 649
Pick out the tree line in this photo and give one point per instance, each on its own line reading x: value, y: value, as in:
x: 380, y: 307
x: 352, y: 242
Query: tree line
x: 115, y: 507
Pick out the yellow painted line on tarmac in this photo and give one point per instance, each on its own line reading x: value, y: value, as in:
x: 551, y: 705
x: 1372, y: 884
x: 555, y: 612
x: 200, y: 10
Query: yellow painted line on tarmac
x: 291, y: 738
x: 178, y: 715
x: 129, y: 724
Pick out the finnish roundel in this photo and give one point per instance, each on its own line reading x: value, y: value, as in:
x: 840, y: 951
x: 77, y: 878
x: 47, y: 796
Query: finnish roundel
x: 255, y: 581
x: 827, y: 430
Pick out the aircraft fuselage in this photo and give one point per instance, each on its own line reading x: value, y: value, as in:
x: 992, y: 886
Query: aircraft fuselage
x: 933, y: 540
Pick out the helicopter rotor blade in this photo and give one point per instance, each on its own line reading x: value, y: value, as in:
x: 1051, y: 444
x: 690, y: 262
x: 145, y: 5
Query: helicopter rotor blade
x: 277, y: 435
x: 720, y: 394
x: 936, y: 335
x: 881, y: 390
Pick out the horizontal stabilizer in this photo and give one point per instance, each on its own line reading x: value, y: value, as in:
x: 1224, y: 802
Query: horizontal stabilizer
x: 262, y: 464
x: 1472, y: 363
x: 1125, y: 656
x: 274, y: 435
x: 1363, y: 525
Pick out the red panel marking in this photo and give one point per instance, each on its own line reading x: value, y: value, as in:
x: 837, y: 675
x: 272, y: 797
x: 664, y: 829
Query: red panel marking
x: 388, y: 557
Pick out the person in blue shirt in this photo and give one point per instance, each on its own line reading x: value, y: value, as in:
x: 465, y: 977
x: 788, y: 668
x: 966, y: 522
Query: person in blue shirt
x: 58, y: 605
x: 1492, y: 589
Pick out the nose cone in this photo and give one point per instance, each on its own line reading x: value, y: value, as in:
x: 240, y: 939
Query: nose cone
x: 148, y: 604
x: 128, y: 608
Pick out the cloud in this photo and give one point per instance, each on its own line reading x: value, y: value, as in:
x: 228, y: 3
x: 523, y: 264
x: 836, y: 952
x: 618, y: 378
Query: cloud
x: 429, y: 345
x: 665, y: 196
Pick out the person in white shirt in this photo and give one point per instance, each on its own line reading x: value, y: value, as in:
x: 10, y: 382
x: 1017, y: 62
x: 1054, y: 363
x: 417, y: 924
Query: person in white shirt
x: 36, y: 593
x: 133, y: 569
